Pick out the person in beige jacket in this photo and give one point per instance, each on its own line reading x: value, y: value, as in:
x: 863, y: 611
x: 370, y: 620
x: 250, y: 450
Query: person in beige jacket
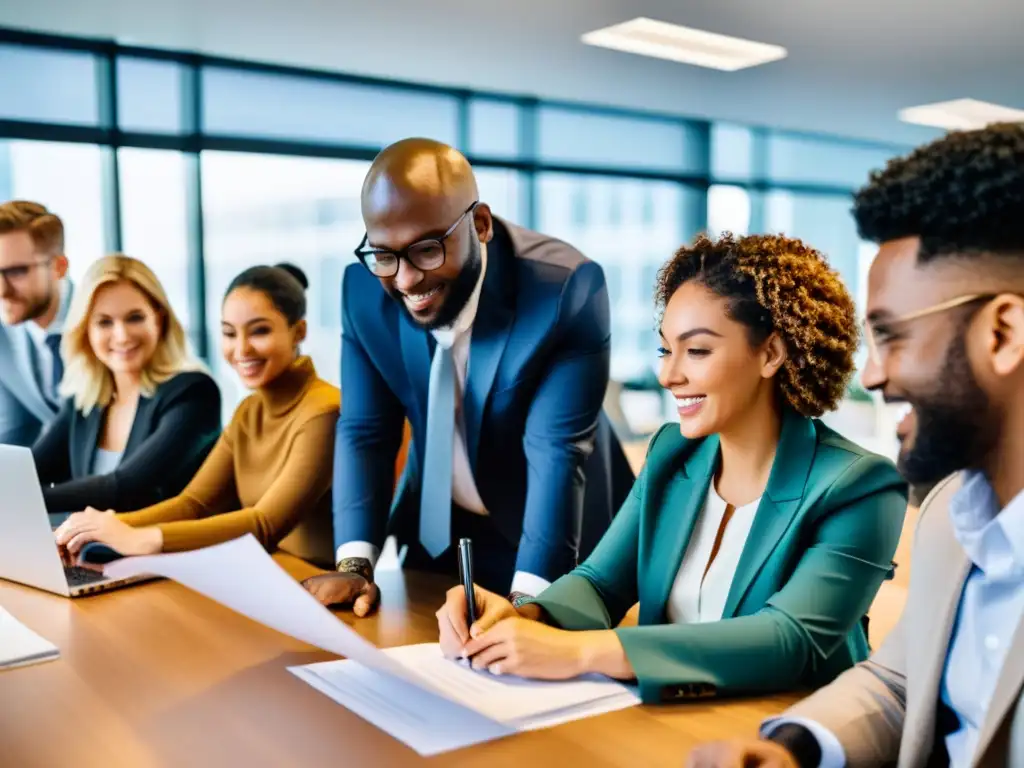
x: 945, y: 333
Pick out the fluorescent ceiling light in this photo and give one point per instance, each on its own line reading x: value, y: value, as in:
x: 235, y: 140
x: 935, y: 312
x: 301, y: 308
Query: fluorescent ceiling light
x: 662, y: 40
x: 960, y: 114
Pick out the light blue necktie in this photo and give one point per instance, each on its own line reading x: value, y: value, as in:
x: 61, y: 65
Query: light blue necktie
x: 436, y: 490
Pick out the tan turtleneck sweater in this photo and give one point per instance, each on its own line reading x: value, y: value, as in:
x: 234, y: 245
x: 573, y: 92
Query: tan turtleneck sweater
x: 269, y: 474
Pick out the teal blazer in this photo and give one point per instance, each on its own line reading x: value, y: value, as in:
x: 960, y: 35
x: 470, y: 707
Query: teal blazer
x: 821, y: 544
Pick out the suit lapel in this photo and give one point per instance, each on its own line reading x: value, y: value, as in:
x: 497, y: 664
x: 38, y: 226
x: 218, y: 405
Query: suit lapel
x: 679, y: 505
x: 137, y: 434
x: 81, y: 456
x: 491, y: 329
x: 935, y: 611
x: 779, y: 504
x: 489, y: 337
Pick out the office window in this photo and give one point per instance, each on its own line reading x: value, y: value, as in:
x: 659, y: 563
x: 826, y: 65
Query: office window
x: 732, y: 152
x: 503, y: 191
x: 493, y: 128
x: 67, y: 179
x: 577, y: 137
x: 149, y: 95
x: 823, y: 222
x: 248, y: 103
x: 810, y: 160
x: 154, y: 222
x: 728, y: 210
x: 47, y: 85
x: 655, y: 219
x: 266, y: 209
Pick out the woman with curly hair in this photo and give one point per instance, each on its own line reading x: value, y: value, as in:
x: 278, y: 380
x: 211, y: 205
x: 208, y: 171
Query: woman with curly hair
x: 755, y: 537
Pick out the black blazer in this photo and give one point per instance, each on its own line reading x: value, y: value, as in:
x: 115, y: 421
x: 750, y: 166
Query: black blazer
x: 172, y: 432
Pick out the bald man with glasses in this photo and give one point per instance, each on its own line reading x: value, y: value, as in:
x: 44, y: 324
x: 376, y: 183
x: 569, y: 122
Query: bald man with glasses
x: 494, y: 342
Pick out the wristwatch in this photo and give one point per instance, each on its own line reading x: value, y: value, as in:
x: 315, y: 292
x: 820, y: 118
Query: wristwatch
x: 360, y: 565
x: 518, y: 598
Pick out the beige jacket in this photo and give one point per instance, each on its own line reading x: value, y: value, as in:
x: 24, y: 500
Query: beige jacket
x: 883, y: 710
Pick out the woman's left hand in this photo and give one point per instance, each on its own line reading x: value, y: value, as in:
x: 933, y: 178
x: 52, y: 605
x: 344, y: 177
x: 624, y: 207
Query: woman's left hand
x: 517, y: 646
x: 92, y: 525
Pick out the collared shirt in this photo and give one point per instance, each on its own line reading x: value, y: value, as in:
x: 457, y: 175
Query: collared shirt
x: 37, y: 338
x: 702, y: 585
x: 464, y: 490
x: 991, y: 606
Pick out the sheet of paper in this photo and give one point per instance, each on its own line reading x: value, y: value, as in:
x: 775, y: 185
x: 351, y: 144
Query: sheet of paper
x: 521, y: 705
x: 240, y: 575
x: 20, y: 646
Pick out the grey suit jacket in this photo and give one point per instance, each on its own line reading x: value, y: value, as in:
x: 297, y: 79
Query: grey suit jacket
x: 24, y: 411
x: 883, y: 711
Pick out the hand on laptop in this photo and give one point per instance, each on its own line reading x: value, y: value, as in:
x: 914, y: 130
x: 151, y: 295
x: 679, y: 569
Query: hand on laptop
x: 344, y: 588
x: 92, y: 525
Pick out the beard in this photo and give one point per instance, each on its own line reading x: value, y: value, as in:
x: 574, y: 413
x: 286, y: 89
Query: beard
x: 460, y: 289
x: 32, y: 307
x: 957, y: 425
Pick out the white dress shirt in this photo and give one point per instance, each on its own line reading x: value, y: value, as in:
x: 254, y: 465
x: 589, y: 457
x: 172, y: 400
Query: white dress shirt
x: 697, y: 596
x: 464, y: 491
x: 990, y: 609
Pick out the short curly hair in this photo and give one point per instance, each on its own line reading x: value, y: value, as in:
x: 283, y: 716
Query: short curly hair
x: 778, y: 284
x: 961, y: 195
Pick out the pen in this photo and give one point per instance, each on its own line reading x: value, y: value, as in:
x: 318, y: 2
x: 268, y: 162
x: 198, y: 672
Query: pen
x: 466, y: 574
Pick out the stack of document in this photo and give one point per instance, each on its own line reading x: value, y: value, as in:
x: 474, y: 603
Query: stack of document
x: 416, y: 719
x: 428, y: 702
x: 19, y: 645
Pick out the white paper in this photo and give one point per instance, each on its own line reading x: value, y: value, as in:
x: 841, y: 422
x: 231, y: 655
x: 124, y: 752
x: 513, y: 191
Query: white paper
x: 20, y: 646
x: 520, y: 704
x: 240, y: 575
x: 413, y: 693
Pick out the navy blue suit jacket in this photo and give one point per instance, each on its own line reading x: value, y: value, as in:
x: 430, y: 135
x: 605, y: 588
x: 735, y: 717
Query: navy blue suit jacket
x: 537, y: 375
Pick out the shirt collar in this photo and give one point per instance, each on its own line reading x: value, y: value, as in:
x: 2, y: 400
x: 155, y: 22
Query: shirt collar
x: 993, y: 538
x: 447, y: 336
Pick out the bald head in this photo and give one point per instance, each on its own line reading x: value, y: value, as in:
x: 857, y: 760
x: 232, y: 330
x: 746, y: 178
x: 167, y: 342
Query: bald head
x: 414, y: 173
x: 420, y: 197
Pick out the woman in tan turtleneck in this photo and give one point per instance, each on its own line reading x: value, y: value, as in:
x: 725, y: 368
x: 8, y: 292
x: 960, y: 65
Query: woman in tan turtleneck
x: 270, y: 472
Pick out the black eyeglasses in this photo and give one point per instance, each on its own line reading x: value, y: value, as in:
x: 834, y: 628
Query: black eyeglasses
x: 19, y: 272
x: 425, y: 255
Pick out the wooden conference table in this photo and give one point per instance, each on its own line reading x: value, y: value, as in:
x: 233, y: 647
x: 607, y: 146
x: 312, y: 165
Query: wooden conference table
x: 156, y: 675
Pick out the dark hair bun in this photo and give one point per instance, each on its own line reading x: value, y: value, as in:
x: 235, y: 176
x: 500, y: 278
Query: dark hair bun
x: 295, y: 272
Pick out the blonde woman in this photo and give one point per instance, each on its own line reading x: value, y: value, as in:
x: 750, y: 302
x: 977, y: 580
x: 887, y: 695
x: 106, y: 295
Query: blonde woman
x: 139, y: 414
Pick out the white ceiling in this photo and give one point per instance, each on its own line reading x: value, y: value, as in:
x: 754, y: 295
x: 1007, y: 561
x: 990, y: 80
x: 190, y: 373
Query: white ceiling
x: 852, y: 63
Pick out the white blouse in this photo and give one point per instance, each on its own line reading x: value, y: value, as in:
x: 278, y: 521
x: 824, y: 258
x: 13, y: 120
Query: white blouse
x: 696, y: 596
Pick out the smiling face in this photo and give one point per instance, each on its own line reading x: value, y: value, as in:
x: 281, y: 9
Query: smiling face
x: 710, y: 365
x: 124, y: 327
x: 256, y: 339
x: 959, y: 369
x: 29, y: 280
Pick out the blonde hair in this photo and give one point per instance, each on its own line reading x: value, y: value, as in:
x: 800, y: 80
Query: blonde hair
x: 86, y: 379
x: 45, y: 229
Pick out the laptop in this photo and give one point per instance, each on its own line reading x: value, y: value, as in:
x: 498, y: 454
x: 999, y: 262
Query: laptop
x: 28, y: 552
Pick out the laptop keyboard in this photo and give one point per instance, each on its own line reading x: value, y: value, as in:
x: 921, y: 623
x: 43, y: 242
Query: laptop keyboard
x: 77, y: 576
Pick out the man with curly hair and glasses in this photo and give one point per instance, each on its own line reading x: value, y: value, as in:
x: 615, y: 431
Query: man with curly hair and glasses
x: 755, y: 537
x: 945, y: 332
